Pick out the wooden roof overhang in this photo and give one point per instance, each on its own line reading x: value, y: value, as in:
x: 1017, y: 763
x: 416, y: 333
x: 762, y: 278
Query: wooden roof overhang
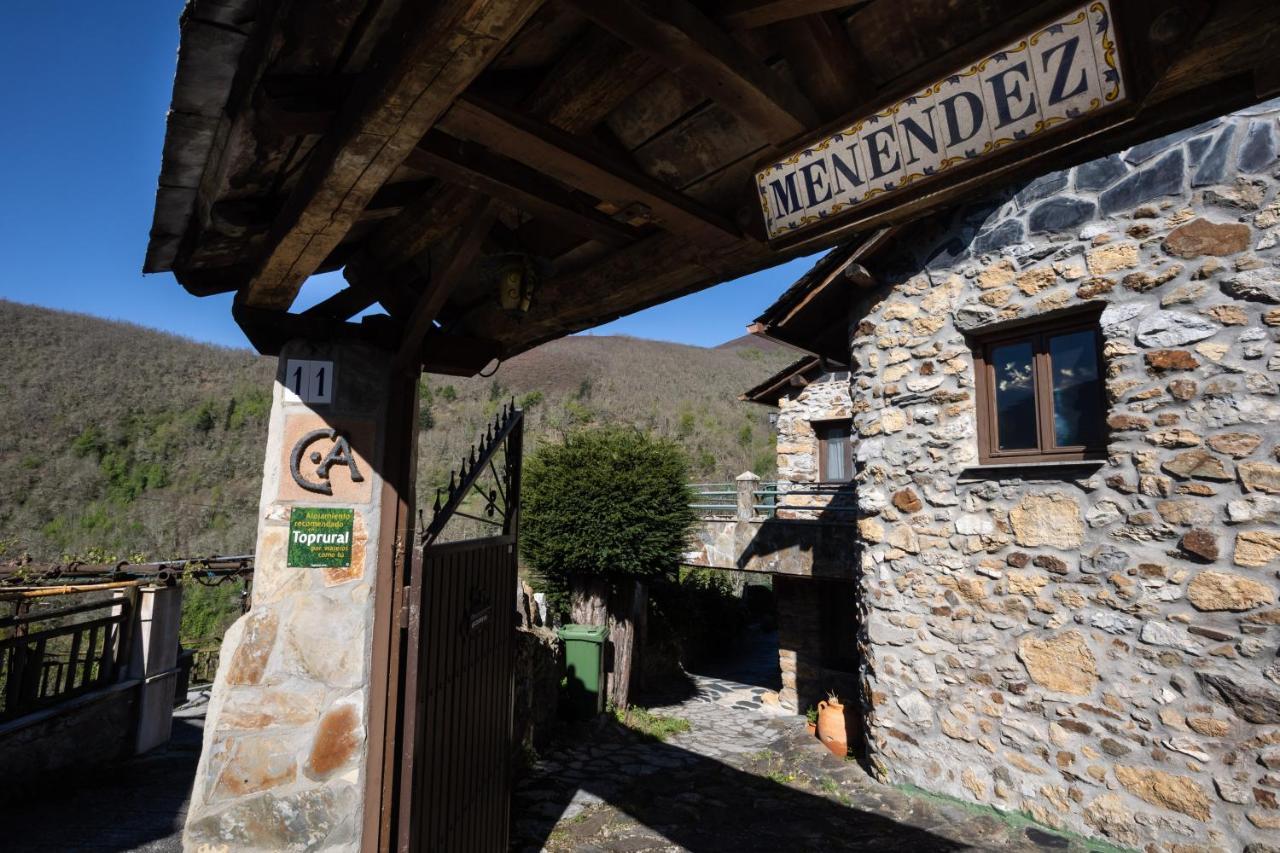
x: 414, y: 144
x: 812, y: 315
x: 795, y: 375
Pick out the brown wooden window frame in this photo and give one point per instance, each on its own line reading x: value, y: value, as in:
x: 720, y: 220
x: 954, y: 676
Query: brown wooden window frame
x: 1038, y: 335
x: 819, y: 428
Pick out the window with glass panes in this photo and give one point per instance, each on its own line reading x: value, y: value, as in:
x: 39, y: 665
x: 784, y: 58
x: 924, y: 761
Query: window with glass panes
x: 1041, y: 396
x: 835, y: 451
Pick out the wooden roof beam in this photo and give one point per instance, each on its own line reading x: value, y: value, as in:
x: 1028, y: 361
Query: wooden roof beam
x: 452, y: 355
x: 436, y: 50
x: 433, y: 297
x: 594, y: 76
x: 823, y: 59
x: 374, y: 273
x: 751, y: 14
x: 691, y: 45
x: 524, y: 188
x: 583, y: 166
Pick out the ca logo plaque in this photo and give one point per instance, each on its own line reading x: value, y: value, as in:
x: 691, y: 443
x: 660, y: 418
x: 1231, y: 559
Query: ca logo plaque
x: 339, y: 454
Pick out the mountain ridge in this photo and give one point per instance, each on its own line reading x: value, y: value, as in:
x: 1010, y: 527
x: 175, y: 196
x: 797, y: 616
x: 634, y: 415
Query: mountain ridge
x: 128, y: 442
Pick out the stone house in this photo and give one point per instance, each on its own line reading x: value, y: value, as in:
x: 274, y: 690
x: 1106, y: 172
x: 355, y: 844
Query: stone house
x: 1058, y: 407
x: 817, y: 629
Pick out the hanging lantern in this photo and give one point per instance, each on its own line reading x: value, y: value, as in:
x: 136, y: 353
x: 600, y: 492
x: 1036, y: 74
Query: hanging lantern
x: 516, y: 282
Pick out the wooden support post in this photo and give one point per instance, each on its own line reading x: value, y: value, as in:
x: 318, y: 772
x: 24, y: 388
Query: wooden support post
x: 387, y: 709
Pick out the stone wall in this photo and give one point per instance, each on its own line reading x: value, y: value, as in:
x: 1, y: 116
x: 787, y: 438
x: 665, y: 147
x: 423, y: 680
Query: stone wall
x: 825, y: 399
x: 98, y: 728
x: 539, y: 666
x: 808, y: 673
x: 1093, y: 645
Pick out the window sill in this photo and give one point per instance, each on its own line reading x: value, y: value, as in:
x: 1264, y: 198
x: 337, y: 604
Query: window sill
x: 1057, y: 469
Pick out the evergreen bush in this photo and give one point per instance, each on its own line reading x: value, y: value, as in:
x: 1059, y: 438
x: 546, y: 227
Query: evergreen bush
x: 610, y: 502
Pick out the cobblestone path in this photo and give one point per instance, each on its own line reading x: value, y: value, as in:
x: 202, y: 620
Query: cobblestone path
x: 746, y: 777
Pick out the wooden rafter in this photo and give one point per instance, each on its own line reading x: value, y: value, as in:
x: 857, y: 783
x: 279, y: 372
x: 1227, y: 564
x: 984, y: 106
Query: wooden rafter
x: 525, y: 188
x: 373, y: 273
x: 594, y: 76
x: 439, y: 49
x: 583, y: 166
x: 751, y: 14
x: 441, y: 285
x: 688, y: 43
x: 823, y: 59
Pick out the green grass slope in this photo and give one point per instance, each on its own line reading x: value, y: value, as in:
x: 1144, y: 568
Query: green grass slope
x: 124, y: 442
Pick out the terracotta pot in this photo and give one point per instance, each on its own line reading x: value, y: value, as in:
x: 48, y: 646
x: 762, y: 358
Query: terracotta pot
x: 812, y: 727
x: 831, y: 729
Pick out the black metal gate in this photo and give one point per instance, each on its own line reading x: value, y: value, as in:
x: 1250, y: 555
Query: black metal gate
x: 456, y: 772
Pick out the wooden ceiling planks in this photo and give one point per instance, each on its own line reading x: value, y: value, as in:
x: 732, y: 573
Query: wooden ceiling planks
x: 905, y: 37
x: 678, y: 35
x: 542, y: 40
x: 583, y: 166
x: 594, y: 76
x: 518, y: 185
x: 697, y: 147
x: 827, y: 68
x: 442, y: 49
x: 750, y: 14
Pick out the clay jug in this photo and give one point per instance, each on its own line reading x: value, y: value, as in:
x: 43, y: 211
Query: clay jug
x: 831, y: 729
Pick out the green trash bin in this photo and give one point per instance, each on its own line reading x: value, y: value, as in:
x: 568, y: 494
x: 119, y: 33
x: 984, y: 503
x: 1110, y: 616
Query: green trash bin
x: 584, y: 669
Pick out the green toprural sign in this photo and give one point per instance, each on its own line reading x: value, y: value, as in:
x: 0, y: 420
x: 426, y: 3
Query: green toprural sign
x: 320, y: 537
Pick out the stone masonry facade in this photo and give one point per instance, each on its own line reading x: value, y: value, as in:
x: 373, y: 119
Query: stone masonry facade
x: 825, y: 399
x: 803, y: 662
x: 1095, y: 645
x: 283, y: 763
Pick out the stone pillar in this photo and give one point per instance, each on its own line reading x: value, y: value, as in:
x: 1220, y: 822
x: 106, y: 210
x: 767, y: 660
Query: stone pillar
x: 744, y: 532
x: 292, y: 738
x: 153, y: 659
x: 747, y: 484
x: 794, y: 625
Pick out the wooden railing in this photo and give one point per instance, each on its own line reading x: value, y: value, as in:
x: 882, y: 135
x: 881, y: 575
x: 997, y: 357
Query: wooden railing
x: 42, y: 667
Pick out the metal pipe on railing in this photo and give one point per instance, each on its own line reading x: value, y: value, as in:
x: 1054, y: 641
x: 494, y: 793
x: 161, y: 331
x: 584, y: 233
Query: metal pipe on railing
x: 18, y: 593
x: 165, y: 571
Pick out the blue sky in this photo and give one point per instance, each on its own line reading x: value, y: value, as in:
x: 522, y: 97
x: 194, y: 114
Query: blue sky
x: 86, y: 92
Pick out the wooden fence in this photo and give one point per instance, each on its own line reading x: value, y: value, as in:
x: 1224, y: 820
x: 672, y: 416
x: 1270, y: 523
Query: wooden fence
x: 42, y: 666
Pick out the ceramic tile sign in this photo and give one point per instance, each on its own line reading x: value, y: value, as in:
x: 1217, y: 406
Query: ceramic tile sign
x: 1049, y: 78
x: 320, y: 537
x: 307, y: 381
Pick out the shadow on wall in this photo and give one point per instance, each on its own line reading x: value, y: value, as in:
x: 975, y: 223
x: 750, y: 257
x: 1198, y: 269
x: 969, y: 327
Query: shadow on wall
x: 823, y: 545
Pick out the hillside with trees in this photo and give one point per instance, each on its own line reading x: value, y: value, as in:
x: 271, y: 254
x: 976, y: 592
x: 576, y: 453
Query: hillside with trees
x: 127, y: 443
